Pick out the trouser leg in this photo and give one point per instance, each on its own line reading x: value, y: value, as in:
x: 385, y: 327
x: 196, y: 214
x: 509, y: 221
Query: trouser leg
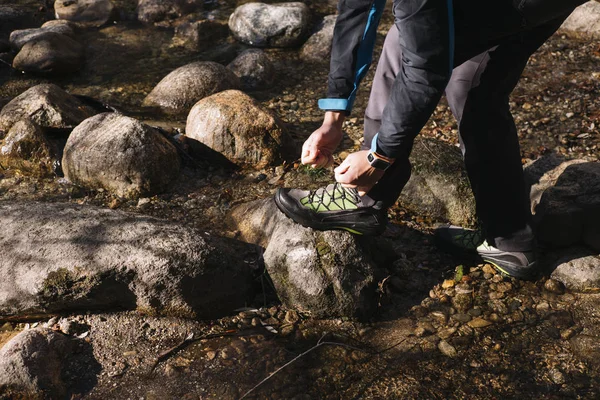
x: 389, y: 187
x: 478, y: 97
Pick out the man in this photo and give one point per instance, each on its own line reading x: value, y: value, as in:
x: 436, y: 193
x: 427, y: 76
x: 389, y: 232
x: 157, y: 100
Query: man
x: 475, y: 51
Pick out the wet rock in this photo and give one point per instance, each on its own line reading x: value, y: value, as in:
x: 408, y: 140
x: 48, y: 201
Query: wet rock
x: 198, y: 35
x: 585, y: 19
x: 439, y: 186
x: 236, y: 126
x: 177, y: 92
x: 51, y: 53
x: 270, y: 25
x: 46, y: 105
x: 20, y: 37
x: 565, y: 198
x: 152, y: 11
x: 318, y: 47
x: 578, y: 269
x: 254, y: 69
x: 120, y: 154
x: 84, y: 13
x: 447, y: 349
x: 26, y: 149
x: 587, y: 348
x: 102, y: 259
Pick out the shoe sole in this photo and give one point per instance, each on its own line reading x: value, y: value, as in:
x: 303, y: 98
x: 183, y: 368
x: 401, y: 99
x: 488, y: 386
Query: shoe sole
x: 524, y: 273
x: 323, y: 226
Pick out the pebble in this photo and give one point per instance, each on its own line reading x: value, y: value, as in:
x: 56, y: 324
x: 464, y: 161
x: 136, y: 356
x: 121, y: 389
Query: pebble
x: 292, y: 317
x: 554, y: 286
x: 439, y: 316
x: 7, y: 327
x: 475, y: 312
x: 462, y: 317
x: 497, y: 278
x: 557, y: 376
x: 495, y: 318
x: 448, y: 283
x: 420, y: 331
x: 446, y: 333
x: 447, y: 349
x: 427, y: 326
x: 211, y: 355
x: 568, y: 333
x: 479, y: 323
x: 542, y: 307
x: 488, y: 269
x: 144, y: 201
x: 496, y: 295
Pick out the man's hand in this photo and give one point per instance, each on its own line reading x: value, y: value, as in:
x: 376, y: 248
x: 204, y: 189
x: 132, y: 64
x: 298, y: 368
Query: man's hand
x: 355, y: 171
x: 318, y: 149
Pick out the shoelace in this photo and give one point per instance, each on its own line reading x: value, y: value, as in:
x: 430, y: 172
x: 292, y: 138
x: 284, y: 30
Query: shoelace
x: 344, y: 195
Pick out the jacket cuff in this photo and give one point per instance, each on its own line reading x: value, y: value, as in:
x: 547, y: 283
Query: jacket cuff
x: 335, y: 105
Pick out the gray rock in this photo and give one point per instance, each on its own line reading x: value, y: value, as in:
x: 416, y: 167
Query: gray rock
x: 12, y: 17
x: 88, y: 258
x: 585, y: 19
x: 578, y: 269
x: 51, y: 53
x: 25, y: 148
x: 46, y: 105
x: 120, y: 154
x: 439, y: 186
x: 326, y: 274
x: 270, y: 25
x: 254, y: 69
x: 151, y: 11
x: 84, y: 13
x: 199, y: 35
x: 587, y: 348
x: 20, y: 37
x: 565, y: 198
x: 235, y: 125
x: 31, y: 365
x: 318, y: 47
x: 177, y: 92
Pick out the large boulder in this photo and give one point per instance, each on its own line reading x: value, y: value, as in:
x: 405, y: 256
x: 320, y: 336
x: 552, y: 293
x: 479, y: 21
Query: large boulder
x: 318, y: 47
x: 13, y: 17
x: 578, y: 268
x: 565, y: 201
x: 326, y: 274
x: 120, y: 154
x: 43, y: 364
x: 66, y: 257
x: 270, y: 25
x: 151, y: 11
x: 25, y: 148
x: 439, y: 186
x: 46, y: 105
x: 52, y: 53
x: 254, y: 69
x: 84, y: 13
x: 585, y: 19
x: 18, y: 38
x: 177, y: 92
x: 235, y: 125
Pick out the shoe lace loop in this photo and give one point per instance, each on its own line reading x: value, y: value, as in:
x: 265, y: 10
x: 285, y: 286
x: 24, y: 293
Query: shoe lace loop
x: 332, y: 191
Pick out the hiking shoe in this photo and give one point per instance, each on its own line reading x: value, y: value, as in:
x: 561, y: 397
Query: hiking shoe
x: 334, y: 207
x: 456, y: 239
x: 518, y: 264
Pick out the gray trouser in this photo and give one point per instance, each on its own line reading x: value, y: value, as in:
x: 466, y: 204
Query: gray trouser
x: 478, y: 95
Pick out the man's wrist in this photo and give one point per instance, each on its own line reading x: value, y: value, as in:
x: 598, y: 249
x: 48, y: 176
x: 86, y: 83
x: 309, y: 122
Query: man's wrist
x: 334, y: 118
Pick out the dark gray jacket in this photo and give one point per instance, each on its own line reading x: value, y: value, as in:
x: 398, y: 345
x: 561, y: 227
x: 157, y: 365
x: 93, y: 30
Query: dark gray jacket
x: 436, y: 36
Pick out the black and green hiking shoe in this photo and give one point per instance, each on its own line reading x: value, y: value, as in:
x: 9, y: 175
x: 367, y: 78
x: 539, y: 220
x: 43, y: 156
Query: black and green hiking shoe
x: 458, y: 240
x: 334, y: 207
x: 463, y: 241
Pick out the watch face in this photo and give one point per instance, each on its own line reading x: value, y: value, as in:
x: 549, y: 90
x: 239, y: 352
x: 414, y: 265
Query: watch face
x: 377, y: 162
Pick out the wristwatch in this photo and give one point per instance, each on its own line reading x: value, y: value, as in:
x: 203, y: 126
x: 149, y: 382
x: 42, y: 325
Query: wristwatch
x: 377, y: 161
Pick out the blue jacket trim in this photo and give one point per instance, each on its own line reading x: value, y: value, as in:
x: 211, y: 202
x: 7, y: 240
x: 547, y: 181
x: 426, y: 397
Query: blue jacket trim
x: 333, y: 104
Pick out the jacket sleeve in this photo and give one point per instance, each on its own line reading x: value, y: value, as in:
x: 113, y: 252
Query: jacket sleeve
x: 426, y: 30
x: 352, y: 51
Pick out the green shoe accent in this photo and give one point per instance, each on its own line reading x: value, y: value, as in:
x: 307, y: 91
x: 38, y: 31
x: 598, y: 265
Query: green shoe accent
x: 457, y: 239
x: 349, y: 230
x: 334, y: 197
